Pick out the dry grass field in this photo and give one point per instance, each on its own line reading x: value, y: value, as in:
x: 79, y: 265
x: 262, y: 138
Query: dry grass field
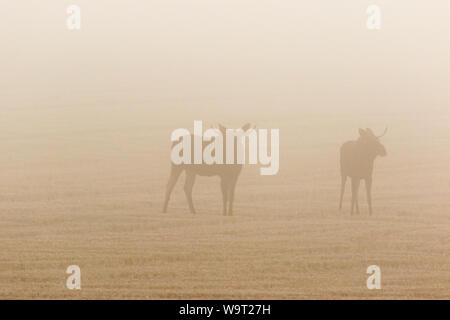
x: 92, y: 196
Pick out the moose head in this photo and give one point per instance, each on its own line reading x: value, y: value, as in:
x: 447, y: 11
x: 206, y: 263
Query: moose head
x: 371, y: 143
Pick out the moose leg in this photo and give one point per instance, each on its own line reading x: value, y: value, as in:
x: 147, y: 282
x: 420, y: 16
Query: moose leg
x: 231, y: 188
x: 358, y: 181
x: 369, y: 193
x: 224, y: 188
x: 188, y: 185
x: 343, y: 180
x: 355, y: 188
x: 174, y: 174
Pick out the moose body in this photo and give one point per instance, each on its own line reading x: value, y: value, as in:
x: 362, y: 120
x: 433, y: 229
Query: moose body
x: 228, y: 174
x: 356, y: 160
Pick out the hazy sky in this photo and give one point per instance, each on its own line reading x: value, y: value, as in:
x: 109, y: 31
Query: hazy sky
x: 315, y: 53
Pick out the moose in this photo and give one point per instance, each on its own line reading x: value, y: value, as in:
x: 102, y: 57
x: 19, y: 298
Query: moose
x: 356, y: 161
x: 228, y: 174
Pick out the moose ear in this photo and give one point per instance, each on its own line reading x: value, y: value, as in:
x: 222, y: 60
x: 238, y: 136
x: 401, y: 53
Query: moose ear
x: 246, y: 126
x: 362, y: 133
x: 222, y: 128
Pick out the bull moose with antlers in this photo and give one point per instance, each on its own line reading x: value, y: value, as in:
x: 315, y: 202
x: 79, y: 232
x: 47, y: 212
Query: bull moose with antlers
x: 357, y: 158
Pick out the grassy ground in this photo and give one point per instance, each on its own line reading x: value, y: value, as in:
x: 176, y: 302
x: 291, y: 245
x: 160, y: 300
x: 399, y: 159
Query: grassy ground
x: 135, y: 253
x: 93, y: 198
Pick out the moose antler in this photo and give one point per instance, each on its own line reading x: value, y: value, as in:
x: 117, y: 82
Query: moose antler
x: 385, y: 131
